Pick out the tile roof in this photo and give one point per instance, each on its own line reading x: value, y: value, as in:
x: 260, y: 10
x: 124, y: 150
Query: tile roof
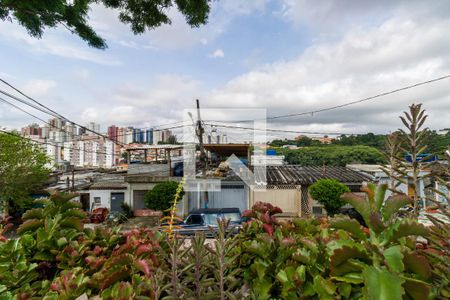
x: 299, y: 175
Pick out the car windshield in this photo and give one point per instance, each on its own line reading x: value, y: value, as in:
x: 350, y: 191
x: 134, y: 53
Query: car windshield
x: 210, y: 219
x: 233, y: 217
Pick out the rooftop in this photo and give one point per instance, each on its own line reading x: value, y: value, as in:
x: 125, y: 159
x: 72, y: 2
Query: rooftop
x: 299, y: 175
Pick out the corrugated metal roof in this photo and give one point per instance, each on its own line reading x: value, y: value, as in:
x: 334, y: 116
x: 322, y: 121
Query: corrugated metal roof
x: 299, y: 175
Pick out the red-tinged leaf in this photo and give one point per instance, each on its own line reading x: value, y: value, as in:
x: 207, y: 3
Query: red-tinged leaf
x: 268, y: 229
x: 30, y: 225
x: 143, y: 266
x: 342, y: 255
x: 404, y: 228
x: 350, y: 225
x: 359, y: 203
x: 376, y: 224
x: 265, y: 218
x: 276, y: 210
x: 393, y: 204
x: 110, y: 279
x: 417, y: 264
x: 143, y: 249
x: 417, y: 289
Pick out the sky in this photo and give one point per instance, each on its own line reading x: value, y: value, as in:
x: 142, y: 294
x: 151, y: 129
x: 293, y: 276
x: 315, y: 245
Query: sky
x: 282, y: 56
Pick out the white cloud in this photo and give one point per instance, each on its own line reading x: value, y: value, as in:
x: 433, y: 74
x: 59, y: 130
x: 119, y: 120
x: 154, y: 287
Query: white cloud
x: 363, y: 63
x: 54, y: 42
x: 38, y: 87
x: 218, y: 53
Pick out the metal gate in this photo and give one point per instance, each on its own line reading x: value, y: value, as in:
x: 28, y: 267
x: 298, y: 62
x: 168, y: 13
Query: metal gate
x: 116, y: 201
x: 230, y: 195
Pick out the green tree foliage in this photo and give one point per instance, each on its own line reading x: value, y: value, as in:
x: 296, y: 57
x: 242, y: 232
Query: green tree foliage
x: 369, y: 139
x: 22, y: 169
x: 141, y: 15
x: 328, y: 192
x: 303, y: 141
x: 333, y: 155
x: 161, y: 196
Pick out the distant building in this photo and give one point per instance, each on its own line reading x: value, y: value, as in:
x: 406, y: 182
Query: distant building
x: 113, y: 132
x: 32, y: 129
x: 92, y: 126
x: 149, y: 136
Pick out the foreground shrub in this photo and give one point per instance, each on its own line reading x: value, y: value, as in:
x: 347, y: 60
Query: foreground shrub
x: 333, y: 258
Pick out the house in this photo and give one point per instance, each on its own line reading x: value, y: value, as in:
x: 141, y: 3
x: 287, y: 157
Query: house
x: 425, y: 186
x: 287, y: 187
x: 109, y: 194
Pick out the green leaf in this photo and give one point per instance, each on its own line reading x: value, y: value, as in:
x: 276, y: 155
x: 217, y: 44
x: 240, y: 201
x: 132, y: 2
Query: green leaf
x: 355, y: 278
x: 380, y: 192
x: 345, y: 289
x: 417, y: 289
x: 359, y: 203
x: 261, y: 288
x: 350, y: 225
x: 394, y: 259
x: 282, y: 276
x: 341, y: 256
x: 393, y: 204
x: 380, y: 284
x: 325, y: 289
x: 36, y: 213
x: 405, y: 227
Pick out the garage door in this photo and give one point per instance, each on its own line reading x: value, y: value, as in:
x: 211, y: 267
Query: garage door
x: 138, y: 199
x: 231, y: 195
x: 286, y: 199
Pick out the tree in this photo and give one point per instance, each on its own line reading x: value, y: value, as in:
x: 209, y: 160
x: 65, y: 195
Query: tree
x: 22, y: 170
x: 328, y: 192
x: 171, y: 140
x: 162, y: 195
x: 36, y: 16
x: 333, y: 155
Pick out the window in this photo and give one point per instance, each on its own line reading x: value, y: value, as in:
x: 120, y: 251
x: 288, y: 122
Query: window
x: 317, y: 210
x: 97, y: 201
x: 194, y: 219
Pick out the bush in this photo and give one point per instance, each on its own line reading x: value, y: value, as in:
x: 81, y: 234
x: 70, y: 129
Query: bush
x: 162, y: 195
x: 328, y: 192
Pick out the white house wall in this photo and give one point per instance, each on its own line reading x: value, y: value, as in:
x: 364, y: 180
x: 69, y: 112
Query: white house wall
x: 105, y: 197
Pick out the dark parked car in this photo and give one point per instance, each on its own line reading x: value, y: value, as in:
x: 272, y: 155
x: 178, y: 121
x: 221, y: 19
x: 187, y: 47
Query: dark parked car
x: 204, y: 220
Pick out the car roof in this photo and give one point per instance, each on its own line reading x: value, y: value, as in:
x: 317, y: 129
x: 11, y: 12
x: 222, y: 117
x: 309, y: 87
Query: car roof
x: 215, y: 210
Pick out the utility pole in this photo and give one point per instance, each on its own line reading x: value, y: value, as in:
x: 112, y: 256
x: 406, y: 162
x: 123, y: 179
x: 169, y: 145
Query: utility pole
x: 73, y: 180
x: 199, y: 132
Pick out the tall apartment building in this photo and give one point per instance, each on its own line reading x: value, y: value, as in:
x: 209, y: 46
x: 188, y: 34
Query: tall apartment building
x: 149, y: 136
x: 90, y: 152
x: 128, y: 135
x: 32, y: 129
x: 93, y: 127
x: 113, y: 132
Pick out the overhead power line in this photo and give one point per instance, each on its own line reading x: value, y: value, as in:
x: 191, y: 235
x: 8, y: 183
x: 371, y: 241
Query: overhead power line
x: 280, y: 130
x: 312, y: 112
